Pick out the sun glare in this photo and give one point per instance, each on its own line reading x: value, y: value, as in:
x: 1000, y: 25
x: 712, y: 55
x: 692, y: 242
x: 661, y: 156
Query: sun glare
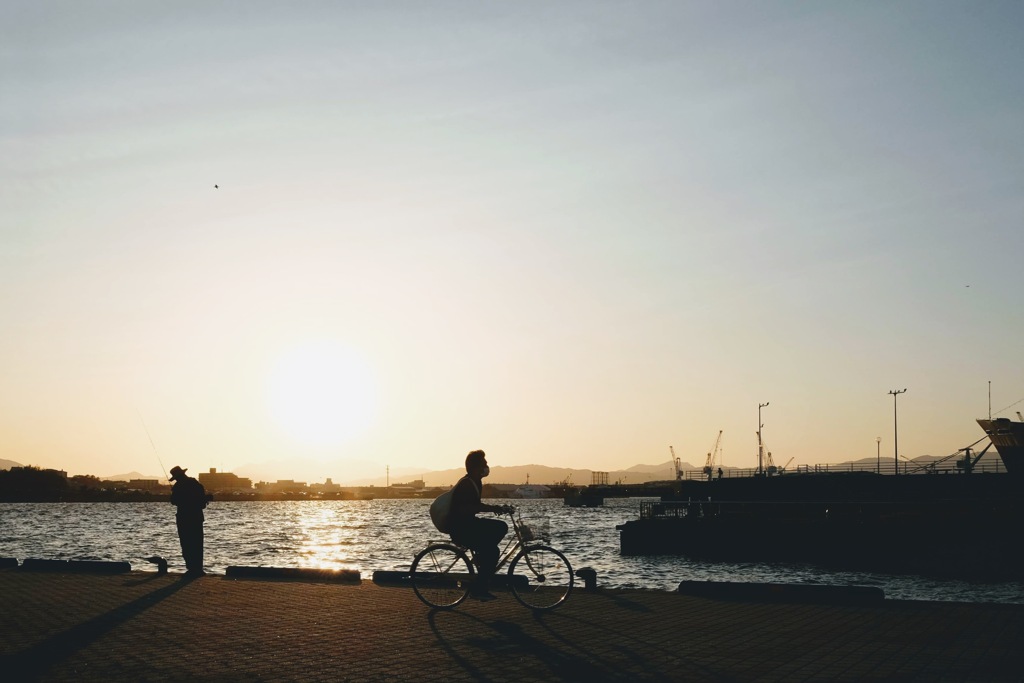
x: 322, y: 394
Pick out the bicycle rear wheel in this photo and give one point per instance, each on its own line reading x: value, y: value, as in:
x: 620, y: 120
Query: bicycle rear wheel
x: 541, y: 577
x: 441, y: 575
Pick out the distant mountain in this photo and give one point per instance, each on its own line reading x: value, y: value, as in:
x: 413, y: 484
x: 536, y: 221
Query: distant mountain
x: 537, y: 474
x: 8, y: 464
x: 667, y: 466
x: 346, y: 473
x: 990, y: 456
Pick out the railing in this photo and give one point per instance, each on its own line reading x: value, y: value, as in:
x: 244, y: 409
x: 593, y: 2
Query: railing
x: 776, y: 509
x: 937, y: 467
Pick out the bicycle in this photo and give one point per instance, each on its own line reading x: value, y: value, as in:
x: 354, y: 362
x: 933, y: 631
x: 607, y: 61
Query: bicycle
x: 539, y: 576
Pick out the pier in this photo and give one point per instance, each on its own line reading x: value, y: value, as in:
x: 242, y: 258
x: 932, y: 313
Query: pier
x: 147, y: 626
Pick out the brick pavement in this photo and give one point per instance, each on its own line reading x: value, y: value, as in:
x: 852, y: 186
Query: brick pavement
x: 150, y: 627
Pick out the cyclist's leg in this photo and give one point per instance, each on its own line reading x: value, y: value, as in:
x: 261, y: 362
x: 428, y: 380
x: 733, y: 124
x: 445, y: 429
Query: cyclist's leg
x: 482, y: 536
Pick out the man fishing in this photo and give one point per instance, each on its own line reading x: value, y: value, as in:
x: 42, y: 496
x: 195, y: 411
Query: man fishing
x: 190, y: 497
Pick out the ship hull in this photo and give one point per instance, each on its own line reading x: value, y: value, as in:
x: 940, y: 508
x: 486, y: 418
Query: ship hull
x: 1008, y: 438
x: 954, y: 524
x: 966, y: 539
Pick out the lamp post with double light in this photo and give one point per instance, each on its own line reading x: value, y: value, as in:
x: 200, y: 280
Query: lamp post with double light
x: 895, y: 430
x: 760, y: 443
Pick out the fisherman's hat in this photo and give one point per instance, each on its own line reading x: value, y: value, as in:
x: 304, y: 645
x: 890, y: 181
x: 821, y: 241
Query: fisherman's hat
x: 177, y: 473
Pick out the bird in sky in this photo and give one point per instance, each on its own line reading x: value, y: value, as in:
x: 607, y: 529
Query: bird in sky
x: 216, y: 187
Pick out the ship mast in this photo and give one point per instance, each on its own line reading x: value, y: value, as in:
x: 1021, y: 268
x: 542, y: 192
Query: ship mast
x: 760, y: 444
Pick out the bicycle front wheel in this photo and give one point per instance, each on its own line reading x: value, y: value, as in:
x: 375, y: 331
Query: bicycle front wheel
x: 441, y: 575
x: 541, y: 577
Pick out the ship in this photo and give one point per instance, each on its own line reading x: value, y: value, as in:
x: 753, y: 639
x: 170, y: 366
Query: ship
x: 950, y: 518
x: 1008, y: 437
x: 583, y: 498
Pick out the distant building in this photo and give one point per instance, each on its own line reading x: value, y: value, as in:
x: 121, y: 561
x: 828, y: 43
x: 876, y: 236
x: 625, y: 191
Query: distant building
x: 214, y: 481
x: 282, y: 486
x: 86, y: 481
x: 148, y: 485
x: 327, y: 487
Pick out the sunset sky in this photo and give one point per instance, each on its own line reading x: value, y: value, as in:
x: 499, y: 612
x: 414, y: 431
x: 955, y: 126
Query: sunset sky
x: 362, y: 235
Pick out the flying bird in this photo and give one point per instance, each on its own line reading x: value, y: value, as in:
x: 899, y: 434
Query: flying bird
x: 216, y: 187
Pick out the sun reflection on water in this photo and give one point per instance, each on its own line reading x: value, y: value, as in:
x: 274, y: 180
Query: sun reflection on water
x: 385, y: 534
x: 324, y: 537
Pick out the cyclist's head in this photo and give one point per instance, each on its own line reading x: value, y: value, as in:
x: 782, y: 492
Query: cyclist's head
x: 476, y: 461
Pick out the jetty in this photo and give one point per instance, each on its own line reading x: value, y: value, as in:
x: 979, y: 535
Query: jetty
x: 57, y: 626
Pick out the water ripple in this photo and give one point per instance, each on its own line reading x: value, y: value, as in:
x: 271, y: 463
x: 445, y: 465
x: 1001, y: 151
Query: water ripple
x: 385, y: 534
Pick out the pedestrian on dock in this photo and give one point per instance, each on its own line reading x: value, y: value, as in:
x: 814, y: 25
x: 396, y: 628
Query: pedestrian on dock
x: 190, y: 497
x: 466, y: 529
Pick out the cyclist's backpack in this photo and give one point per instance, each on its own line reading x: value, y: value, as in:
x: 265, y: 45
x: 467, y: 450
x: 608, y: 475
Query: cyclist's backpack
x: 439, y: 510
x: 442, y: 506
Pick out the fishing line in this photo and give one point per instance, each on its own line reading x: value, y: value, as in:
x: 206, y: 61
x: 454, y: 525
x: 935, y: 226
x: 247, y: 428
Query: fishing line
x: 155, y: 451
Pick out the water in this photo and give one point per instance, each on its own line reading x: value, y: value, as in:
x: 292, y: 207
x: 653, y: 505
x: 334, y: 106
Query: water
x: 385, y: 534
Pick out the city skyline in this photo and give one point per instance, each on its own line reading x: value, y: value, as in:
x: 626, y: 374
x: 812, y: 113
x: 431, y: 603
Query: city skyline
x: 356, y: 236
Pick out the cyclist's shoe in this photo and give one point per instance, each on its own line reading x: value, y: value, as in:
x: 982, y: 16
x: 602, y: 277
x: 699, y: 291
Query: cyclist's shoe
x: 482, y: 595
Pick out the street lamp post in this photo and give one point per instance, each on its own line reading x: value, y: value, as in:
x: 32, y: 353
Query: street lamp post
x: 878, y: 455
x: 895, y: 430
x: 760, y: 443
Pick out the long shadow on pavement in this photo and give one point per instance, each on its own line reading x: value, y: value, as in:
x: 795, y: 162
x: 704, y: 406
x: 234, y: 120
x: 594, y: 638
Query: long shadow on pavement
x: 505, y: 638
x: 34, y: 662
x: 625, y: 650
x: 463, y: 662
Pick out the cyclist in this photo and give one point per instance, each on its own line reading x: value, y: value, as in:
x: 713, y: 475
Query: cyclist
x: 483, y: 536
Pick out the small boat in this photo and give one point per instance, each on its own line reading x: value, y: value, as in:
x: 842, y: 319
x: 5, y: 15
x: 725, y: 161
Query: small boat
x: 581, y: 498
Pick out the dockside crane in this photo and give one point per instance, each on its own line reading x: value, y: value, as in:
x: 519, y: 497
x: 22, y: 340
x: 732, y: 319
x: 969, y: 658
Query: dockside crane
x: 676, y: 463
x: 766, y: 457
x: 709, y: 464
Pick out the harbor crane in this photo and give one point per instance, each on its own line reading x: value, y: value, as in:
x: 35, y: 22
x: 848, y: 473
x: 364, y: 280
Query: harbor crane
x: 709, y: 464
x: 765, y: 456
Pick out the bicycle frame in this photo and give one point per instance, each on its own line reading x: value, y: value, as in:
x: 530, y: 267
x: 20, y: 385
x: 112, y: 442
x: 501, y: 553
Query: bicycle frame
x: 544, y: 582
x: 513, y: 545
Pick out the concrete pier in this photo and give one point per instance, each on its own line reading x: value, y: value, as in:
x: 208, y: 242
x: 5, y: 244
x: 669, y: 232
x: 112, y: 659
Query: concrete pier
x: 145, y: 626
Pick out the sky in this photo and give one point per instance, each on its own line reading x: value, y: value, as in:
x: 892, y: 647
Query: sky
x: 330, y: 238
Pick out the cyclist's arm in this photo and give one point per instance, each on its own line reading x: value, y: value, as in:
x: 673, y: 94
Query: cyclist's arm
x: 466, y: 501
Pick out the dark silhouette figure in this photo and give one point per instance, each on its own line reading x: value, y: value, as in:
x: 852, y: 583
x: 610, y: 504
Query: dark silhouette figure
x: 470, y: 531
x: 719, y: 472
x: 189, y: 496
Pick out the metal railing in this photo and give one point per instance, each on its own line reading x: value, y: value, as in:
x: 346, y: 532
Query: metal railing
x: 938, y: 467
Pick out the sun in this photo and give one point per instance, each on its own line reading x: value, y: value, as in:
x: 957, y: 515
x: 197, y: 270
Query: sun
x: 322, y: 393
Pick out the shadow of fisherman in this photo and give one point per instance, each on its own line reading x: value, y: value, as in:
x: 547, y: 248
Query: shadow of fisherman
x: 189, y: 496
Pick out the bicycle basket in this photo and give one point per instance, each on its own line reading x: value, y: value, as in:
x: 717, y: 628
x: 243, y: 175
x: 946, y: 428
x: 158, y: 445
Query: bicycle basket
x: 534, y: 529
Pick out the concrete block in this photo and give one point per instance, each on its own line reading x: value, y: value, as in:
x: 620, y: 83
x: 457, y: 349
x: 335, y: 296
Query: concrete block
x: 294, y: 573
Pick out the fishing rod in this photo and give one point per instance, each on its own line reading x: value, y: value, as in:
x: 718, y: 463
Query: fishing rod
x: 155, y: 451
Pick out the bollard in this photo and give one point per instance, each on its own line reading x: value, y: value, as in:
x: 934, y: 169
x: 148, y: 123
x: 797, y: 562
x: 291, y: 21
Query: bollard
x: 589, y: 577
x: 161, y: 563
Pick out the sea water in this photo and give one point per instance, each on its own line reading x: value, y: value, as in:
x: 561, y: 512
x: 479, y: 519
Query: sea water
x: 385, y: 534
